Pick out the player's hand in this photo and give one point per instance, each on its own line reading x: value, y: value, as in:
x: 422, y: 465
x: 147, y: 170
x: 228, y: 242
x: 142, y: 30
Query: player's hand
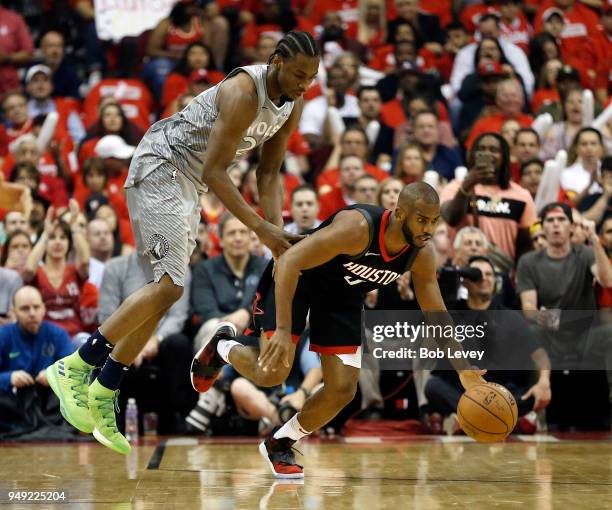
x: 275, y: 351
x: 541, y: 393
x: 21, y: 379
x: 41, y: 378
x: 275, y: 238
x: 478, y: 175
x: 471, y: 378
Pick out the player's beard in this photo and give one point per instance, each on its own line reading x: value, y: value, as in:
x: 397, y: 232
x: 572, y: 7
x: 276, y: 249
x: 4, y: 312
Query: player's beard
x: 408, y: 235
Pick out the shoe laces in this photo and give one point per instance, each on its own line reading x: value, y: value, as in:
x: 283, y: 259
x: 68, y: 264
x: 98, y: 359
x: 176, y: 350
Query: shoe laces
x: 107, y: 407
x: 284, y: 453
x: 81, y: 387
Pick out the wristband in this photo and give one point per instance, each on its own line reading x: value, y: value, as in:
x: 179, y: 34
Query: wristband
x: 305, y: 391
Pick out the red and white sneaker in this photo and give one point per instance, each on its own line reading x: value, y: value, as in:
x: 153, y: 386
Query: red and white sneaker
x: 279, y: 454
x: 207, y: 363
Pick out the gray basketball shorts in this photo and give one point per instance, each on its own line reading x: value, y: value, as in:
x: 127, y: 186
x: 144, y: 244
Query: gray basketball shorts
x: 164, y: 213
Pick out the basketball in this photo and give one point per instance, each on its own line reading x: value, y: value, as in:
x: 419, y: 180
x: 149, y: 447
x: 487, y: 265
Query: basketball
x: 487, y: 412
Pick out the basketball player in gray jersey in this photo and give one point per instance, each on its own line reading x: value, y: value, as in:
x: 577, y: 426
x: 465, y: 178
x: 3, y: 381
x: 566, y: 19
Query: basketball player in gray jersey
x: 177, y: 160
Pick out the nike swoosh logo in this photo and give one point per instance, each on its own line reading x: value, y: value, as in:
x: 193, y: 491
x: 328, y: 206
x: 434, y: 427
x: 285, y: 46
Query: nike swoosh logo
x: 13, y: 355
x: 371, y: 254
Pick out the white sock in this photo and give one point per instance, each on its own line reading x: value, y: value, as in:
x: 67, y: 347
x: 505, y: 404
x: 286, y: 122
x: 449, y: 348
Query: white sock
x: 292, y: 429
x: 224, y: 347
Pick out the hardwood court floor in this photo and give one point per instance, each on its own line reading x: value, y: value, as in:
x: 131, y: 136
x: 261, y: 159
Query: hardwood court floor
x: 362, y: 473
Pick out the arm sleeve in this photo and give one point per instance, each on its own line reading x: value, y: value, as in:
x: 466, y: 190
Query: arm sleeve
x: 174, y: 321
x: 203, y: 296
x: 110, y: 292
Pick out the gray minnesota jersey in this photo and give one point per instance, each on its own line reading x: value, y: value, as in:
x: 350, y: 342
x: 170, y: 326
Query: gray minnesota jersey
x: 182, y: 138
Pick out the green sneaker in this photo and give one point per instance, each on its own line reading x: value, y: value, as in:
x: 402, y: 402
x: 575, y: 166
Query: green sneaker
x: 102, y: 404
x: 69, y: 380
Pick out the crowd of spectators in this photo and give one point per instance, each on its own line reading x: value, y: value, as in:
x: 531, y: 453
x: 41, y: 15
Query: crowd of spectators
x: 502, y: 105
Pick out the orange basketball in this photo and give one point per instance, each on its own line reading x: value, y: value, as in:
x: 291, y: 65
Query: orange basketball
x: 487, y: 412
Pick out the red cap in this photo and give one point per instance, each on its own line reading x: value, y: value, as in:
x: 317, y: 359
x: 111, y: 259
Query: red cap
x: 198, y: 76
x: 490, y: 69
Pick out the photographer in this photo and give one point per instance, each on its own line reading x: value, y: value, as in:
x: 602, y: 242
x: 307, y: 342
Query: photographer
x: 470, y: 242
x: 510, y: 351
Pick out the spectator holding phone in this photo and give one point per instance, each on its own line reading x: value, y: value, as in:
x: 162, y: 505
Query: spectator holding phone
x: 489, y: 200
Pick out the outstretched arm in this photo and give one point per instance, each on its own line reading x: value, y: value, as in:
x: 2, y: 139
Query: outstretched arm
x: 237, y: 104
x: 269, y: 181
x: 430, y: 300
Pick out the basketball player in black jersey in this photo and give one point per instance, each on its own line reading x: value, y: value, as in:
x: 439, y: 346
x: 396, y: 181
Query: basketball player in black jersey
x: 358, y: 249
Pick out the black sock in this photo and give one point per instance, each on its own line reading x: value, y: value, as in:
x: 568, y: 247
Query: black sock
x: 112, y: 373
x: 96, y: 349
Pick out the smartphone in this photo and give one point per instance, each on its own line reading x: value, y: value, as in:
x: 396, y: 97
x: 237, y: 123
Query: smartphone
x: 482, y: 160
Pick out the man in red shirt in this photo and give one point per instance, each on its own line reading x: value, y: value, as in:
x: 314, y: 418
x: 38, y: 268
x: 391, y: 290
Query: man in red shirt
x: 513, y: 23
x: 16, y: 48
x: 580, y: 24
x: 599, y: 51
x: 351, y: 169
x: 510, y: 102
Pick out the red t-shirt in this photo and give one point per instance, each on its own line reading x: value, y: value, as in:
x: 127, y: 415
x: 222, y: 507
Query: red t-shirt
x: 543, y: 97
x: 134, y: 96
x: 441, y: 8
x: 14, y: 37
x: 470, y: 16
x: 580, y: 24
x: 348, y: 11
x: 176, y: 84
x: 330, y: 203
x: 518, y: 32
x: 297, y: 144
x: 72, y: 306
x: 330, y: 179
x: 177, y: 39
x: 392, y: 113
x: 599, y: 55
x: 494, y: 123
x: 252, y: 31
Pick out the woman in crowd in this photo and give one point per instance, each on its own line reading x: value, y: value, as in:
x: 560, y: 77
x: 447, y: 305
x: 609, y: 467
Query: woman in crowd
x: 70, y: 301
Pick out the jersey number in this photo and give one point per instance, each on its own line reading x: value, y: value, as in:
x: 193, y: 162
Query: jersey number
x: 353, y: 282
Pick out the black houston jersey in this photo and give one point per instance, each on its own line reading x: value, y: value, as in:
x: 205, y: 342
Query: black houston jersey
x: 345, y: 276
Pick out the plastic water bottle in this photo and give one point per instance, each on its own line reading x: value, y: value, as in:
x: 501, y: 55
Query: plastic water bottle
x: 131, y: 420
